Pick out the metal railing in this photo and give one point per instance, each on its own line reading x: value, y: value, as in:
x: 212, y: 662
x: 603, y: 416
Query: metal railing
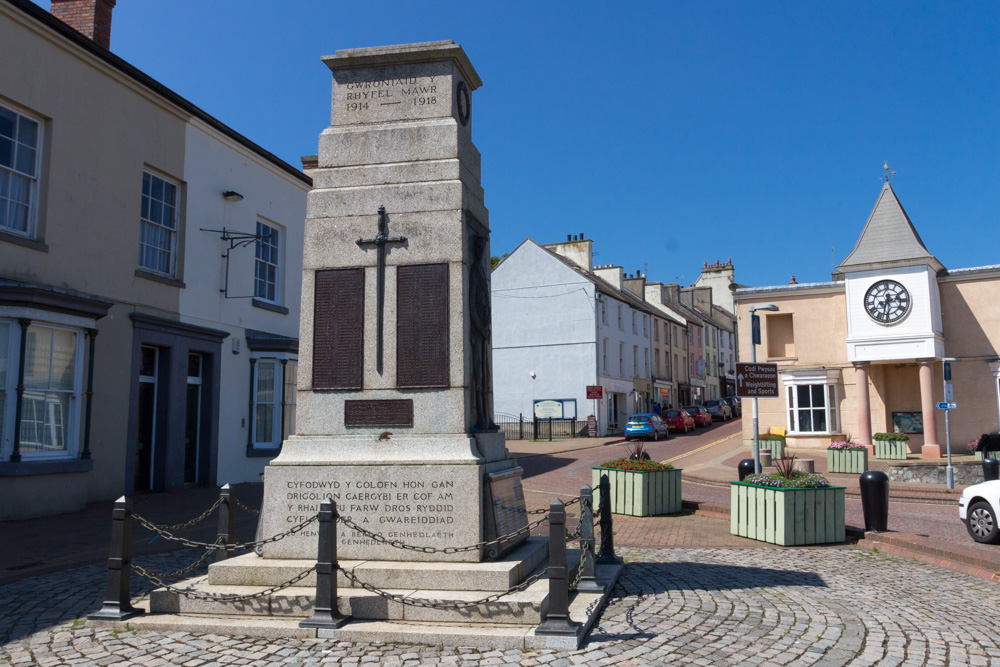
x: 519, y: 427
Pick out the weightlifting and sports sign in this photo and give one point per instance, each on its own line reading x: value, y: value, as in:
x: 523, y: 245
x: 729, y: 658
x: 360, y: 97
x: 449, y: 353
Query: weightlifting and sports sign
x: 757, y: 380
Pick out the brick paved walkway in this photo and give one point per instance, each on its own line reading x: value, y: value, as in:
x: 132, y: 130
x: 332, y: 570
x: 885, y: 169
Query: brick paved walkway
x: 672, y: 606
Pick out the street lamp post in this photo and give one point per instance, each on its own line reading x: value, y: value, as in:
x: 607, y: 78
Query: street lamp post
x: 754, y: 341
x: 949, y: 470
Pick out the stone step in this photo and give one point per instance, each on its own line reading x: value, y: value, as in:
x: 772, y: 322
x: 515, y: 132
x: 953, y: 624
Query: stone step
x: 499, y: 575
x: 518, y: 608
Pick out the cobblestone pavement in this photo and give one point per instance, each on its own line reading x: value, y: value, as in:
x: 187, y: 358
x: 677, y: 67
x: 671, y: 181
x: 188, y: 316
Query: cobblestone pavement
x: 672, y: 606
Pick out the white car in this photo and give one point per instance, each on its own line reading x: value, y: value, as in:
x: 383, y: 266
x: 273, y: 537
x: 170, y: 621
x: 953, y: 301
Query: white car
x: 977, y: 507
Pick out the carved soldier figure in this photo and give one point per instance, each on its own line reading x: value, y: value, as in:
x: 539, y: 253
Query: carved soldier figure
x: 479, y: 308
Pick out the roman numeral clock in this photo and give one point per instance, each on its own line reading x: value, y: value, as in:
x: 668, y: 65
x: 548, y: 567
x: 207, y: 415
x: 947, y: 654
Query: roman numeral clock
x: 887, y: 302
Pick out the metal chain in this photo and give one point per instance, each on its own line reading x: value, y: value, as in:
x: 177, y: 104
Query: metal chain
x: 399, y: 544
x: 584, y: 548
x: 445, y: 604
x: 218, y: 597
x: 575, y: 534
x: 198, y: 519
x: 189, y: 568
x: 246, y: 508
x: 246, y: 546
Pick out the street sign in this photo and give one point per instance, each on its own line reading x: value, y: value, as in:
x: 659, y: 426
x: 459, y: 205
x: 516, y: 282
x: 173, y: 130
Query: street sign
x: 949, y: 392
x: 755, y: 329
x: 947, y: 406
x: 756, y: 380
x: 947, y: 371
x: 595, y: 391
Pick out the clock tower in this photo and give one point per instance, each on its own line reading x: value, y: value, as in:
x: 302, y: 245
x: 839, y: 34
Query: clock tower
x: 893, y: 307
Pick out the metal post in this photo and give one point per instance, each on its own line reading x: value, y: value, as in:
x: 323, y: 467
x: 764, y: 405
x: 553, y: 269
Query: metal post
x: 550, y: 429
x: 227, y: 524
x: 91, y: 336
x: 555, y: 617
x: 117, y: 601
x: 756, y: 427
x: 520, y: 426
x: 325, y: 611
x: 588, y: 545
x: 534, y: 427
x: 949, y: 471
x: 607, y: 556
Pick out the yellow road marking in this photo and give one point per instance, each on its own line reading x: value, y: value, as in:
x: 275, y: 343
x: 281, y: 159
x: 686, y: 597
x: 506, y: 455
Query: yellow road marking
x: 703, y: 447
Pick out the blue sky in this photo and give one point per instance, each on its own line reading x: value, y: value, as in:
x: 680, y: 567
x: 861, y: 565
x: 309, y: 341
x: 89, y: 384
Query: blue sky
x: 670, y: 132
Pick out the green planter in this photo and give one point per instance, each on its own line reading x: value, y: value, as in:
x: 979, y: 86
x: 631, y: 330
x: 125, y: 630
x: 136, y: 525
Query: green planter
x: 894, y: 450
x: 776, y: 447
x: 787, y: 516
x: 847, y: 460
x: 638, y: 493
x: 989, y: 455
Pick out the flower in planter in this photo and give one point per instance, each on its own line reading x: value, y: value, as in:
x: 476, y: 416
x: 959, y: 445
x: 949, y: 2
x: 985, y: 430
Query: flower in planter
x: 892, y: 437
x: 797, y: 480
x: 973, y: 445
x: 770, y: 436
x: 845, y: 444
x: 641, y: 465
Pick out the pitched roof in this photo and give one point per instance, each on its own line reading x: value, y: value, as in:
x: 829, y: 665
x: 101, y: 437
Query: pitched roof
x: 888, y: 236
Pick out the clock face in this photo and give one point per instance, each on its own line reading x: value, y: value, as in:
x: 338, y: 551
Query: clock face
x: 887, y: 302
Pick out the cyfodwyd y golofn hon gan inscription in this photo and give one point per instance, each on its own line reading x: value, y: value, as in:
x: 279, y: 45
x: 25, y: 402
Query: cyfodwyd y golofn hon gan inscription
x: 338, y: 329
x: 391, y: 412
x: 422, y: 325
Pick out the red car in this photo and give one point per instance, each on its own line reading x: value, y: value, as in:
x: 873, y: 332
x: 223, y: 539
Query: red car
x: 700, y: 414
x: 678, y: 420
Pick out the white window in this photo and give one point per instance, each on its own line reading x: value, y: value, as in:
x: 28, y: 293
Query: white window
x: 20, y: 139
x: 604, y: 311
x: 645, y: 362
x: 812, y: 401
x: 656, y: 331
x: 158, y: 225
x: 49, y: 405
x: 274, y: 401
x: 621, y: 359
x: 635, y: 361
x: 645, y: 326
x: 635, y: 329
x: 267, y: 269
x: 621, y: 325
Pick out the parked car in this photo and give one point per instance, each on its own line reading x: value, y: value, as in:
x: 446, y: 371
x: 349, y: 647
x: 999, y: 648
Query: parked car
x: 699, y: 414
x: 719, y: 409
x: 646, y: 425
x: 678, y: 420
x: 734, y: 404
x: 977, y: 507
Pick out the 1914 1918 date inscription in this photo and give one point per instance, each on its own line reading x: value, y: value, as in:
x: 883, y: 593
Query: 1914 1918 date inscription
x: 366, y: 95
x: 394, y: 412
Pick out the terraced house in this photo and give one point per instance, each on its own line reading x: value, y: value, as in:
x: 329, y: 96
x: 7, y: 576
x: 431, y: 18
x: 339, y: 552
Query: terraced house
x: 149, y: 276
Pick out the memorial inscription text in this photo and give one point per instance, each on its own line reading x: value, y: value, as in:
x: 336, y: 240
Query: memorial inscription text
x: 422, y: 325
x: 338, y: 331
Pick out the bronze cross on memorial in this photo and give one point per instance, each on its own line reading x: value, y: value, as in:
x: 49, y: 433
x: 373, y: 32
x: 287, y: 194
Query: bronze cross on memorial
x: 379, y: 241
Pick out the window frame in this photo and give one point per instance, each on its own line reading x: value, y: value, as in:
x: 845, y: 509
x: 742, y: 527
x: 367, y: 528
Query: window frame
x: 792, y: 380
x: 35, y: 179
x: 173, y: 233
x: 276, y: 233
x: 278, y: 403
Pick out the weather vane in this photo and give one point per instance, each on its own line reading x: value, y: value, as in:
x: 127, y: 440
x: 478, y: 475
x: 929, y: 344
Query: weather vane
x: 888, y: 174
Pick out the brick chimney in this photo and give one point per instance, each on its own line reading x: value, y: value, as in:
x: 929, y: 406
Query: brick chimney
x: 89, y: 17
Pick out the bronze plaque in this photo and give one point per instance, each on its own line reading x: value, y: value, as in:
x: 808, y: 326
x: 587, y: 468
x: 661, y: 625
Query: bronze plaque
x: 422, y: 325
x: 509, y: 514
x: 338, y: 329
x: 393, y: 412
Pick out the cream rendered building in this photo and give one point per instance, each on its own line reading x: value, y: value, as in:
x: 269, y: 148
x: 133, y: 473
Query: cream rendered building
x: 125, y: 365
x: 865, y: 353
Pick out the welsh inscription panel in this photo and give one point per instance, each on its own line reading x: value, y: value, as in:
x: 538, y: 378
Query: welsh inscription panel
x: 422, y: 325
x: 338, y: 329
x: 392, y: 412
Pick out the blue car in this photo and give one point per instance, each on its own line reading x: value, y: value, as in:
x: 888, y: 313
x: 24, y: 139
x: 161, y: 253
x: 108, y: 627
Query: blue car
x: 646, y: 425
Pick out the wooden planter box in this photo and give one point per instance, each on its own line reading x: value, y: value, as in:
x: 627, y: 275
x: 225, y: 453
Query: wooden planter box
x: 776, y: 447
x: 787, y: 517
x: 847, y: 460
x: 639, y: 493
x: 894, y: 450
x: 989, y: 455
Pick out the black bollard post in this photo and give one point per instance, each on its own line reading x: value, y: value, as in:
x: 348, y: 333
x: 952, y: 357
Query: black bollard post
x: 227, y: 524
x: 555, y: 617
x: 520, y: 426
x: 550, y: 429
x: 117, y: 600
x: 588, y: 545
x: 325, y: 611
x: 607, y: 556
x: 745, y: 468
x: 534, y: 428
x: 875, y: 500
x: 991, y: 469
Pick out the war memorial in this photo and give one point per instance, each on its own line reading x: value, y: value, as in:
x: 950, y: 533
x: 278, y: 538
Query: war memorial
x: 394, y: 406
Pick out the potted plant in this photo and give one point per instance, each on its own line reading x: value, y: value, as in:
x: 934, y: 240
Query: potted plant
x: 973, y: 447
x: 640, y: 486
x: 774, y: 443
x: 846, y: 456
x: 787, y: 507
x: 891, y: 445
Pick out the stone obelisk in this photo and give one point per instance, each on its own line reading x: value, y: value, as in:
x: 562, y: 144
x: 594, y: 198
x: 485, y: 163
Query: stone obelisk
x: 394, y: 402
